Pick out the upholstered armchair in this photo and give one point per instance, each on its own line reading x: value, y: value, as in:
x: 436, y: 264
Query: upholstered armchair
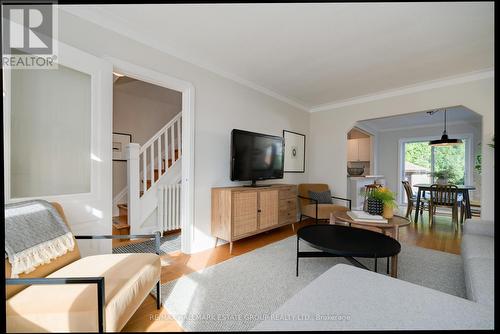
x: 74, y: 294
x: 316, y: 207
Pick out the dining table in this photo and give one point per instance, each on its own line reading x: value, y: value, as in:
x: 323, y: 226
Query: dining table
x: 461, y: 189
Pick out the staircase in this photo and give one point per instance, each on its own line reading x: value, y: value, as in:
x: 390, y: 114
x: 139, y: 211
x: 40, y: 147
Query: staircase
x: 149, y: 167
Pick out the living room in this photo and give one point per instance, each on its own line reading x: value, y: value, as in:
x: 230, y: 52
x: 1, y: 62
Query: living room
x: 296, y: 78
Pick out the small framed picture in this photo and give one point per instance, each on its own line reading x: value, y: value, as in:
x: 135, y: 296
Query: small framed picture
x: 119, y: 142
x: 295, y: 152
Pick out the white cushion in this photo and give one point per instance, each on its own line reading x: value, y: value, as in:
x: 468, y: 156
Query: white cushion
x: 350, y: 298
x: 480, y: 227
x: 480, y: 280
x: 475, y: 245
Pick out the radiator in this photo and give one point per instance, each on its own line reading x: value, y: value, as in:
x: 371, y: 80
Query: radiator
x: 169, y: 207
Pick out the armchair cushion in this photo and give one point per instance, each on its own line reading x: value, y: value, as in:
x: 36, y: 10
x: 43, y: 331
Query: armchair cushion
x: 323, y: 197
x: 128, y: 279
x: 324, y: 210
x: 304, y: 188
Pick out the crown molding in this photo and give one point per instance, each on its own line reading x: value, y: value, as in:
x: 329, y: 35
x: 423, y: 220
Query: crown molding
x: 431, y: 126
x: 107, y: 20
x: 422, y: 86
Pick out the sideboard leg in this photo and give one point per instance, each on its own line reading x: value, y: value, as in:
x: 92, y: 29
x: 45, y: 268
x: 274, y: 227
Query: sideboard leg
x: 293, y: 227
x: 216, y: 240
x: 230, y: 247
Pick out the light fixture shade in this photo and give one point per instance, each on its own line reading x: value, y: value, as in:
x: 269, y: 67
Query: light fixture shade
x: 445, y: 141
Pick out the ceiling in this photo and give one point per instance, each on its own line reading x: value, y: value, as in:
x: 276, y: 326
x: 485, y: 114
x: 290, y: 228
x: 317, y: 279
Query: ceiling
x: 146, y: 90
x: 315, y: 54
x: 457, y: 114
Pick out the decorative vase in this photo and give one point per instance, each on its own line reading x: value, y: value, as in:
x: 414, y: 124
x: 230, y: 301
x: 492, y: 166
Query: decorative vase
x: 442, y: 180
x: 388, y: 212
x: 375, y: 206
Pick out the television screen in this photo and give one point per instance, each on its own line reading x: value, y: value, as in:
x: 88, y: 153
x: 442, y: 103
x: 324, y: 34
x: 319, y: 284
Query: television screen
x: 256, y: 156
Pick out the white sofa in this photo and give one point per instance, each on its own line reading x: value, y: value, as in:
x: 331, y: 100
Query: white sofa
x: 479, y: 263
x: 350, y: 298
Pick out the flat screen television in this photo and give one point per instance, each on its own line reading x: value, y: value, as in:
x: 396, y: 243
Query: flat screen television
x: 256, y: 156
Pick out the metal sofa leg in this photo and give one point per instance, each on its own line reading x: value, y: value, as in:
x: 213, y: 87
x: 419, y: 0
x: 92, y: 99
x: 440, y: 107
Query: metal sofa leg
x: 158, y: 294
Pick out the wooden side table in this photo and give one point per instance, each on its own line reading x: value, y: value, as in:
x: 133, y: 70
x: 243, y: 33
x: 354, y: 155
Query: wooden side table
x: 391, y: 228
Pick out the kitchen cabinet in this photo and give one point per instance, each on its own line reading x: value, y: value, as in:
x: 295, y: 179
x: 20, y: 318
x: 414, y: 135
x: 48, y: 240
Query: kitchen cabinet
x: 358, y: 149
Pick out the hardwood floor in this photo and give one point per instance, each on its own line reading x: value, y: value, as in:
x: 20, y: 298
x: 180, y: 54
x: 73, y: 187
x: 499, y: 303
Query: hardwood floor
x: 441, y: 236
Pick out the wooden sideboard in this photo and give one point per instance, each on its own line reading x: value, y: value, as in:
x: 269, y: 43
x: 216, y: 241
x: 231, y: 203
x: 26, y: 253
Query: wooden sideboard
x: 239, y: 212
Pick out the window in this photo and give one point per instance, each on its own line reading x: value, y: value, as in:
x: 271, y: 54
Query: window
x: 50, y: 143
x: 420, y: 161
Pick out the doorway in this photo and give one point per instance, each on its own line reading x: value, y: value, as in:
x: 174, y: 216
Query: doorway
x: 187, y: 133
x: 149, y: 116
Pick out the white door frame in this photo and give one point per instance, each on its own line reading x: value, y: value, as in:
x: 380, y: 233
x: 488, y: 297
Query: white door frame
x: 468, y: 157
x: 187, y: 90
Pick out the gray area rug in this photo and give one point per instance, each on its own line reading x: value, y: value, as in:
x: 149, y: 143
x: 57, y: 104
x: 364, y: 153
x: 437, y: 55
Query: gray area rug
x: 168, y: 244
x: 236, y: 294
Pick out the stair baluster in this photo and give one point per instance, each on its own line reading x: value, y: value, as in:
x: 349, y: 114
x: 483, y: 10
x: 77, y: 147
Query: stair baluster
x: 170, y: 145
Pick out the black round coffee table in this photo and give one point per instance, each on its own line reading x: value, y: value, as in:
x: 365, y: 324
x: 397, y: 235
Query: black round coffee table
x: 347, y: 242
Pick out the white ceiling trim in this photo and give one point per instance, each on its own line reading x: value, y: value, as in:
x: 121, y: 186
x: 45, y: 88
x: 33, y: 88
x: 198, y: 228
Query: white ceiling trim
x: 443, y: 82
x: 427, y: 126
x: 366, y: 128
x: 114, y: 23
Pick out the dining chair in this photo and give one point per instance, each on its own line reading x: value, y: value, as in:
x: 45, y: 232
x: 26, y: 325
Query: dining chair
x: 445, y: 195
x: 411, y: 199
x: 369, y: 188
x: 475, y: 206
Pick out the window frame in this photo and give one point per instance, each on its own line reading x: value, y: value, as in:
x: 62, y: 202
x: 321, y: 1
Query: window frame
x: 468, y: 164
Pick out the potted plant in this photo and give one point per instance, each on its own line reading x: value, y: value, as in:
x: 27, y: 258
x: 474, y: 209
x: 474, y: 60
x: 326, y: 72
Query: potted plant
x: 477, y: 165
x: 382, y: 201
x: 442, y: 176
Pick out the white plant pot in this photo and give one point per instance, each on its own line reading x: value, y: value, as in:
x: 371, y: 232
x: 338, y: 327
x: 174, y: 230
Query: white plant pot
x: 442, y: 181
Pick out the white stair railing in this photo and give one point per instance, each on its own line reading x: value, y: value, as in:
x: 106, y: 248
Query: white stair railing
x: 147, y: 164
x: 158, y: 151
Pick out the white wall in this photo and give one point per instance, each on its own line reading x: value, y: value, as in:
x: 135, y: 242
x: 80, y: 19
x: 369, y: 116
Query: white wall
x: 327, y: 140
x: 220, y: 106
x: 140, y: 109
x: 388, y: 146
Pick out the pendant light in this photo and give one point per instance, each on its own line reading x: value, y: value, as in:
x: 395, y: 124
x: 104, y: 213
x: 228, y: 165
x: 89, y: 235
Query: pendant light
x: 445, y: 141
